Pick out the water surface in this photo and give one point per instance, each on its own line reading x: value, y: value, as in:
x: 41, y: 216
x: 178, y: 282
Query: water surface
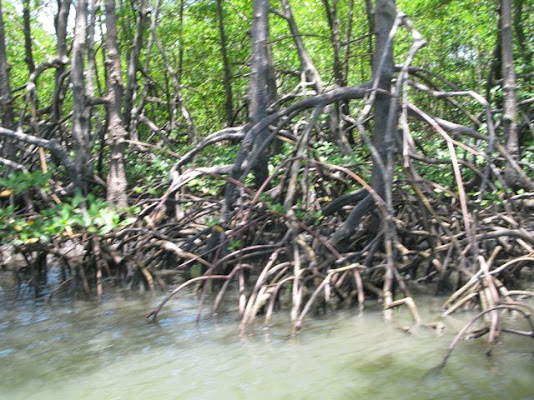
x: 81, y: 350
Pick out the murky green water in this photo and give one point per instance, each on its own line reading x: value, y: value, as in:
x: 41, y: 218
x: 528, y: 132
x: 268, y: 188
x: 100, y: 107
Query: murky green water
x: 79, y: 350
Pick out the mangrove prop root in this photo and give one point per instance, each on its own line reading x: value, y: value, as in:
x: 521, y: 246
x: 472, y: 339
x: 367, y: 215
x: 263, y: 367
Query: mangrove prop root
x: 524, y: 309
x: 316, y: 228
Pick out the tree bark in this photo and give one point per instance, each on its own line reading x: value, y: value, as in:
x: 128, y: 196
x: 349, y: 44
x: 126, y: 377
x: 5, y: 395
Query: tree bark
x: 91, y: 72
x: 80, y: 110
x: 262, y: 87
x: 5, y: 86
x: 333, y: 23
x: 228, y: 103
x: 116, y: 182
x: 6, y: 107
x: 384, y: 20
x: 262, y: 93
x: 61, y: 21
x: 384, y: 23
x: 28, y: 36
x: 509, y: 91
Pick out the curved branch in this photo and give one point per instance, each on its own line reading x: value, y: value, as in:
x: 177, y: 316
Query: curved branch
x: 237, y: 133
x: 154, y: 314
x: 54, y: 147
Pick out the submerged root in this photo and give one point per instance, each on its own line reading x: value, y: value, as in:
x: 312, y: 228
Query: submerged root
x: 492, y: 297
x: 495, y: 328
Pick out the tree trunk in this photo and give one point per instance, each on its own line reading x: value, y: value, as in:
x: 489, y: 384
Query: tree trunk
x: 262, y: 88
x: 511, y: 133
x: 336, y: 113
x: 333, y: 23
x: 306, y: 64
x: 133, y: 63
x: 495, y: 70
x: 91, y: 72
x: 6, y: 107
x: 178, y: 84
x: 382, y: 124
x: 116, y: 182
x: 520, y: 15
x: 80, y: 112
x: 348, y: 43
x: 312, y: 75
x: 262, y: 93
x: 228, y: 103
x: 178, y: 99
x: 28, y: 36
x: 138, y: 107
x: 61, y: 22
x: 384, y: 22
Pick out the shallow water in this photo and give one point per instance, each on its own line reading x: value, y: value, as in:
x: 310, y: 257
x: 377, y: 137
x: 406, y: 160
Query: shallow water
x: 81, y: 350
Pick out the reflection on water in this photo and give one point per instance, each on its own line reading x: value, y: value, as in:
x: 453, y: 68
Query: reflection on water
x: 79, y: 350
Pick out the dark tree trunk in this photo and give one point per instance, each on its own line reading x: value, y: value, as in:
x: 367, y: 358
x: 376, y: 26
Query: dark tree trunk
x: 495, y: 70
x: 262, y: 93
x: 28, y: 36
x: 345, y: 108
x: 384, y: 22
x: 116, y: 182
x: 6, y: 107
x: 382, y: 123
x: 262, y: 88
x: 229, y: 103
x: 333, y: 23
